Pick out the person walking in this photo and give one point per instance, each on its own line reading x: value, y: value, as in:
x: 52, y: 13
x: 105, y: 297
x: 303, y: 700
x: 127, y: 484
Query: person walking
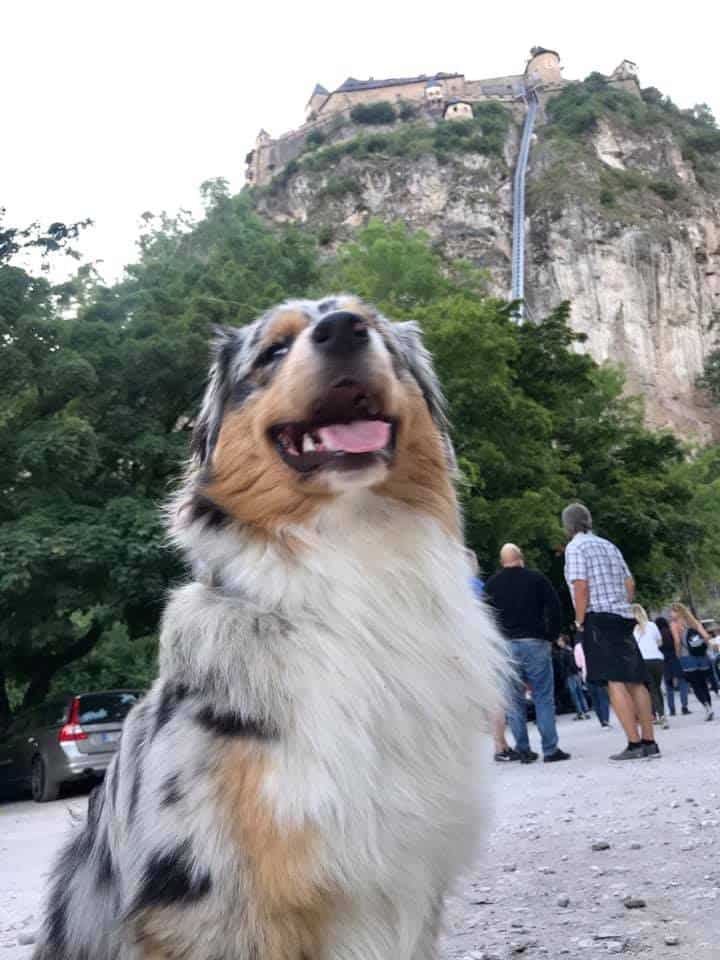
x: 573, y: 680
x: 602, y: 588
x: 529, y: 613
x: 649, y: 640
x: 672, y: 671
x: 691, y: 645
x: 598, y: 692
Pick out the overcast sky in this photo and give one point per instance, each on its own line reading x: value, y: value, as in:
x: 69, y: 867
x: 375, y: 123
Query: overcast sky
x: 113, y: 108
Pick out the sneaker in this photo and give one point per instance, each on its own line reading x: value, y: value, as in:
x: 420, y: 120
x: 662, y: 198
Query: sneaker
x: 578, y: 716
x: 588, y: 717
x: 508, y: 755
x: 556, y: 755
x: 665, y: 725
x: 606, y: 726
x: 527, y: 756
x: 686, y: 712
x: 672, y: 713
x: 710, y: 715
x: 631, y: 753
x: 651, y: 751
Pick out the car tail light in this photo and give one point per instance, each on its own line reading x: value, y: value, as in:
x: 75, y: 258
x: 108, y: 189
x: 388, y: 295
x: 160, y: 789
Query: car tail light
x: 72, y: 730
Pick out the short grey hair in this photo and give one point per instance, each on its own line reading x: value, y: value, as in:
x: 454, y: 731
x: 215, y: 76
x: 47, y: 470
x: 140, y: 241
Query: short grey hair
x: 576, y: 518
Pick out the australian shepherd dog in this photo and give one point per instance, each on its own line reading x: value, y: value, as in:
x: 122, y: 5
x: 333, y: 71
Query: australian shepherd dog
x: 305, y: 779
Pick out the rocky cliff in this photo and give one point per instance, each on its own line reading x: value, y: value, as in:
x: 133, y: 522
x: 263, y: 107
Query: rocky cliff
x: 623, y: 220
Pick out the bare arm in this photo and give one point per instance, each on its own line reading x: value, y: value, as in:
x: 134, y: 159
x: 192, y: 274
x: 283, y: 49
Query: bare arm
x: 676, y: 631
x: 580, y: 594
x: 630, y: 588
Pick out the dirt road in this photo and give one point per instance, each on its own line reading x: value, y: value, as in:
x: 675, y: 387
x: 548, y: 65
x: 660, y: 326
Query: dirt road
x: 541, y: 889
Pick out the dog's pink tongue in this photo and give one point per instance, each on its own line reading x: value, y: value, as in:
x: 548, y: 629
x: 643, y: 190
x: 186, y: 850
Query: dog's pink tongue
x: 362, y: 436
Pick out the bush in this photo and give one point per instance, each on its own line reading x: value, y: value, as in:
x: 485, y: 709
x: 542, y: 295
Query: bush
x: 407, y: 111
x: 340, y: 186
x: 381, y: 112
x: 325, y: 235
x: 315, y: 138
x: 665, y: 189
x: 607, y: 197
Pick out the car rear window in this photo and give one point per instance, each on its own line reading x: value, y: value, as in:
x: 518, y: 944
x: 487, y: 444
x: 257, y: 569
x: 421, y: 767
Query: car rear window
x: 106, y: 707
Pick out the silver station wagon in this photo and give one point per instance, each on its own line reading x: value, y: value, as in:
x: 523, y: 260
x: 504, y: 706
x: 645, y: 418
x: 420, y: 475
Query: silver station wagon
x: 65, y: 740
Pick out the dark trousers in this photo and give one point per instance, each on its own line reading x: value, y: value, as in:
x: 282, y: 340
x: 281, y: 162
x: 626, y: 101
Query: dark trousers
x: 674, y: 675
x: 600, y: 701
x: 699, y: 682
x: 655, y: 669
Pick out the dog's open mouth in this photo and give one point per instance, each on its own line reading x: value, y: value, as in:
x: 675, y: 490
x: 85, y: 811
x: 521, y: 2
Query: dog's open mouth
x: 356, y: 444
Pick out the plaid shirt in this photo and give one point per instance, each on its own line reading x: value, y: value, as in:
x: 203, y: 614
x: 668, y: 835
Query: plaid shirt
x: 598, y: 561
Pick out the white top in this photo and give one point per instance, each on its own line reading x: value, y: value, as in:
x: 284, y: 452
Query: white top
x: 649, y: 640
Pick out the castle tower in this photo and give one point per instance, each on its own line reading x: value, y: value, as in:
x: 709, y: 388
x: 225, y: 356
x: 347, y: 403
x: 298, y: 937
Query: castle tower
x: 434, y: 93
x: 543, y: 66
x: 317, y: 99
x: 458, y: 109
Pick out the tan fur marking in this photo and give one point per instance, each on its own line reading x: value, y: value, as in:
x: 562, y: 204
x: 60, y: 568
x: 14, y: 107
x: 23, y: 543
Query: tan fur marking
x: 290, y: 909
x: 289, y: 323
x: 420, y: 476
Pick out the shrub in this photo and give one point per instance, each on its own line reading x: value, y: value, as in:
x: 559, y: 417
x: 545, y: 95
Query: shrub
x: 381, y: 112
x: 407, y: 111
x: 340, y: 186
x: 607, y: 197
x: 325, y: 235
x: 665, y: 189
x: 315, y: 138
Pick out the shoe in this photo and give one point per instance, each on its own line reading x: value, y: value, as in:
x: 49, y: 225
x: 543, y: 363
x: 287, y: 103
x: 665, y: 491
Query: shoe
x: 527, y: 756
x: 556, y: 756
x: 508, y: 755
x: 657, y: 721
x: 606, y: 726
x: 588, y: 717
x: 686, y: 712
x: 578, y: 716
x: 651, y: 751
x: 665, y: 725
x: 710, y: 715
x: 630, y: 753
x: 672, y: 713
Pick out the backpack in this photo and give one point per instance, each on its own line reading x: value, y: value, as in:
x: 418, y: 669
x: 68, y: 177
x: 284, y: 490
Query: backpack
x: 695, y: 643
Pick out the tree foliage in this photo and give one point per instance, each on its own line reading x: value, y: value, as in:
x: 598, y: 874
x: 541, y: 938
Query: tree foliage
x: 100, y: 385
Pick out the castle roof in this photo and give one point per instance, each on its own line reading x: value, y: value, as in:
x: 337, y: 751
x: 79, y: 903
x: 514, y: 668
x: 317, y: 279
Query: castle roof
x: 536, y: 51
x: 320, y: 89
x: 352, y: 84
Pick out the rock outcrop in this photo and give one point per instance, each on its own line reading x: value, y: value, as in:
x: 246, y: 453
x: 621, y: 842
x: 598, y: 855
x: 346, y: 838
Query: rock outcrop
x: 618, y: 222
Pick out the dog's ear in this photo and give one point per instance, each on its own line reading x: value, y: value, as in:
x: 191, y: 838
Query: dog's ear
x: 420, y: 364
x: 227, y: 343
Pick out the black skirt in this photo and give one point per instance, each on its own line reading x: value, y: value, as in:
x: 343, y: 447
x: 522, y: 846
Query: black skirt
x: 611, y: 651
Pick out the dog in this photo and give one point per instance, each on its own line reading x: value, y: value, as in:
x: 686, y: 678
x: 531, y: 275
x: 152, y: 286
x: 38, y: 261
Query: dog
x: 306, y: 777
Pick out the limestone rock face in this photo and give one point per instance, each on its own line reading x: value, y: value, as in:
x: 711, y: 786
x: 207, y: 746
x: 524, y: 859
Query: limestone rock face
x: 619, y: 226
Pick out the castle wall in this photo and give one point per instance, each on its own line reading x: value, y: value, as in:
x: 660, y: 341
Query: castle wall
x: 346, y: 100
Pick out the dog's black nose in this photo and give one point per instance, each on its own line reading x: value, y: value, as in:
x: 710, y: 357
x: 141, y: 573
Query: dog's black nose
x: 340, y: 333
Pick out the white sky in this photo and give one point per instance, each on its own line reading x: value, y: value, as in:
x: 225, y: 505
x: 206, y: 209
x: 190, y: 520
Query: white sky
x: 113, y: 108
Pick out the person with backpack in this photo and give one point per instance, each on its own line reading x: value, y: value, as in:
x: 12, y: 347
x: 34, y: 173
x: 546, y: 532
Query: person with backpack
x: 673, y: 673
x: 691, y: 645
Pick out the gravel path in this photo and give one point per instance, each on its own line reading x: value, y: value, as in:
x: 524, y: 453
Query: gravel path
x: 541, y: 890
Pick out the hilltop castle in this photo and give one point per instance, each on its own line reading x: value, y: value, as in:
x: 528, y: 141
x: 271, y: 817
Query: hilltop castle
x: 441, y: 96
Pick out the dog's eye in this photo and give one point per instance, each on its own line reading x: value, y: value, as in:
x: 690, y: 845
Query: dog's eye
x: 272, y: 353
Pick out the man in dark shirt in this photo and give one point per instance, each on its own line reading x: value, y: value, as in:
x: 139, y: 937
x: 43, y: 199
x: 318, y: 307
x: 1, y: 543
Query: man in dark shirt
x: 530, y: 617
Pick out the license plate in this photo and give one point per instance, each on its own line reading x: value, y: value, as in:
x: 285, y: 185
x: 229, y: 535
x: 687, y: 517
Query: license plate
x: 108, y: 737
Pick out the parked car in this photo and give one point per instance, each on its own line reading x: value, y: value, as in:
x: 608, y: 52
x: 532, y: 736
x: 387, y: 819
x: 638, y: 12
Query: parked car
x: 64, y: 740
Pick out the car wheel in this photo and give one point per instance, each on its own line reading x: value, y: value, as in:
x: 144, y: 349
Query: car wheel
x: 43, y: 789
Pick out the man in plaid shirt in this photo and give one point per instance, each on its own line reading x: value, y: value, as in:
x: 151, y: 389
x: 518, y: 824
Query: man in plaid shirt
x: 602, y: 588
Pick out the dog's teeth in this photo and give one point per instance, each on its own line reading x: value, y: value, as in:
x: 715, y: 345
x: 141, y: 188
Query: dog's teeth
x: 308, y: 444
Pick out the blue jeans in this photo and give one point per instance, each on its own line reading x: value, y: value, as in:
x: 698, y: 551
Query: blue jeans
x: 673, y: 673
x: 576, y: 692
x: 601, y: 701
x: 533, y: 665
